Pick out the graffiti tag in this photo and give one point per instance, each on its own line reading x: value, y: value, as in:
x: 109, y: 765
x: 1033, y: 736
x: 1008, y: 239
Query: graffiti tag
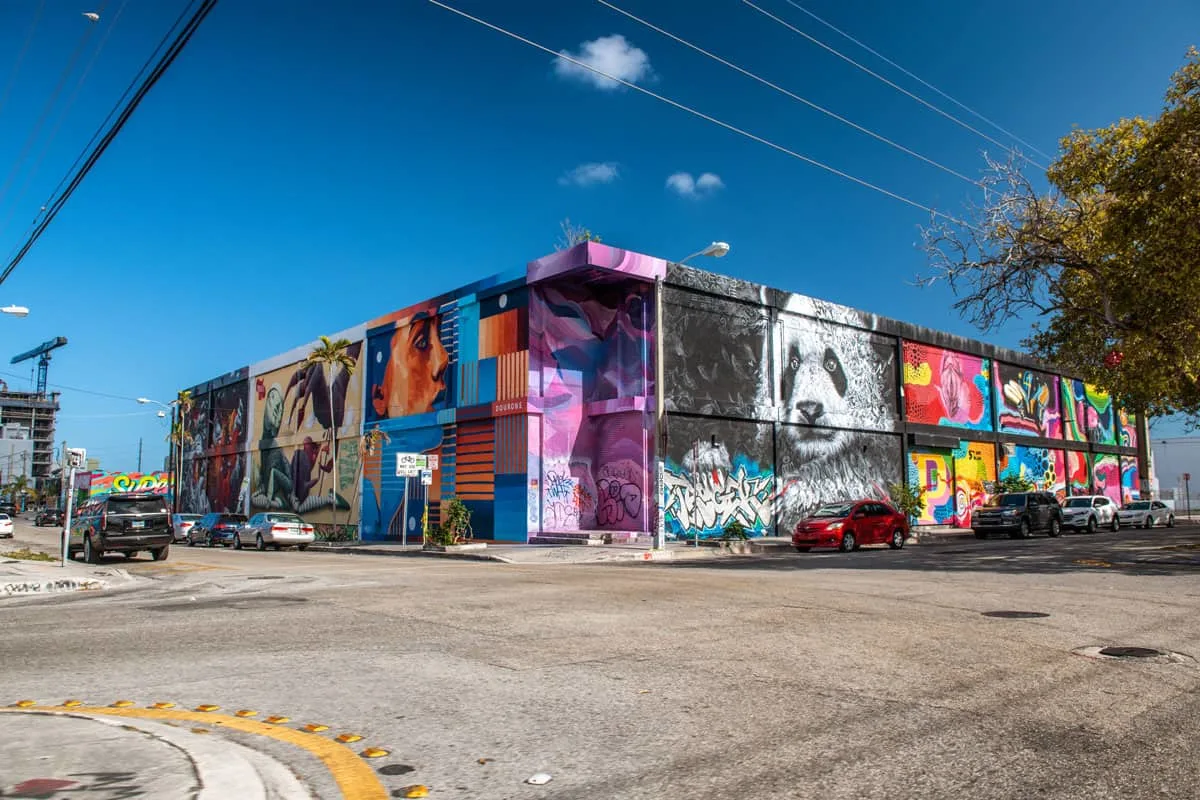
x: 716, y: 498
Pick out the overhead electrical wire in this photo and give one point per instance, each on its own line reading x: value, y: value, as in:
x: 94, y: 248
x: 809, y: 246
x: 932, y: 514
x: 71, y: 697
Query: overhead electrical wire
x: 62, y: 117
x: 50, y: 101
x: 893, y: 84
x: 674, y: 103
x: 75, y: 388
x: 113, y: 111
x: 792, y: 95
x: 16, y: 70
x: 160, y: 68
x: 918, y: 79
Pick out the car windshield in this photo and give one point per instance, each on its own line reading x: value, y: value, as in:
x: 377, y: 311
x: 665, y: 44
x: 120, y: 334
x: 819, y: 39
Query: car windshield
x: 1143, y: 506
x: 834, y: 510
x: 4, y: 518
x: 1008, y: 500
x: 139, y: 506
x: 1079, y: 502
x: 283, y: 518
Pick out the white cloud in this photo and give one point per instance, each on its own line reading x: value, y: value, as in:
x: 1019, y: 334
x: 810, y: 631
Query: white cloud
x: 611, y: 54
x: 591, y: 173
x: 683, y: 184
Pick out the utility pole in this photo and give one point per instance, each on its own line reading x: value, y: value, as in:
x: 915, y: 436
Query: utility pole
x: 139, y: 469
x: 63, y: 487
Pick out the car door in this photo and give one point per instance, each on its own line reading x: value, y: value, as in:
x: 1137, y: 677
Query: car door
x: 1100, y: 506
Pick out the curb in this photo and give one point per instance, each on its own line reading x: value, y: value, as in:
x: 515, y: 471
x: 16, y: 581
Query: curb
x: 25, y: 588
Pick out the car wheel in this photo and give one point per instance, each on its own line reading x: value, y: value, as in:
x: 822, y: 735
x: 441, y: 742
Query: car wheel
x: 237, y: 542
x: 209, y: 541
x: 1171, y: 521
x: 302, y: 547
x: 1115, y: 525
x: 802, y: 549
x: 1055, y: 529
x: 1091, y: 525
x: 89, y: 551
x: 848, y: 542
x: 160, y: 553
x: 191, y: 542
x: 1149, y: 523
x: 897, y: 541
x: 259, y: 544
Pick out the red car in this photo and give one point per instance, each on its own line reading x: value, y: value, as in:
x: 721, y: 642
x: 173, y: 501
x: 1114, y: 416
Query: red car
x: 848, y: 525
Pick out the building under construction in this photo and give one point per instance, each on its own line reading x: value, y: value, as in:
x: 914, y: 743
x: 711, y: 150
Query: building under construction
x: 27, y: 434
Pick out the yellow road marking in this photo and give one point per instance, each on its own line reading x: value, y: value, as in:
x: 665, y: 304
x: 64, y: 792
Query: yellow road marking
x: 354, y: 778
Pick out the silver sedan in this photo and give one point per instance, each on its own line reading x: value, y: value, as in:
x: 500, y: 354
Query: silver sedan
x: 277, y: 530
x: 1146, y: 514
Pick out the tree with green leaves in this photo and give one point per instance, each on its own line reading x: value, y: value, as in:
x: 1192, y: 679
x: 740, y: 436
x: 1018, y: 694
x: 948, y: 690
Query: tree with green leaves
x: 330, y: 355
x: 1108, y: 256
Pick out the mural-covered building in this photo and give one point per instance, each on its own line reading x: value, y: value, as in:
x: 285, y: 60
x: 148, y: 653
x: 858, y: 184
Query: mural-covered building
x: 535, y: 390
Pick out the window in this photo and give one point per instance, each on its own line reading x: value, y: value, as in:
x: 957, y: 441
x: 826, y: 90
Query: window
x: 1100, y: 502
x: 154, y: 505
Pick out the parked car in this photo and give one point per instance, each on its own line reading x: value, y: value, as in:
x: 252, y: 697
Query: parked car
x: 8, y: 508
x: 181, y: 524
x: 216, y: 528
x: 849, y: 525
x: 274, y: 529
x: 48, y: 516
x: 1019, y: 514
x: 1091, y: 512
x: 1147, y: 514
x: 123, y: 522
x: 6, y: 526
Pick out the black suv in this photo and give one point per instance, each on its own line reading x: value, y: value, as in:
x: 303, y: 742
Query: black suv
x: 48, y: 516
x: 1018, y: 514
x: 125, y: 522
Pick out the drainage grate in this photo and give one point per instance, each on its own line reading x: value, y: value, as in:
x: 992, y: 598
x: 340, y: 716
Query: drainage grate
x: 1131, y: 652
x: 1015, y: 614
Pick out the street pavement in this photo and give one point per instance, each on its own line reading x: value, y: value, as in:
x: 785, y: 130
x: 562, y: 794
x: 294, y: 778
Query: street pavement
x: 874, y: 674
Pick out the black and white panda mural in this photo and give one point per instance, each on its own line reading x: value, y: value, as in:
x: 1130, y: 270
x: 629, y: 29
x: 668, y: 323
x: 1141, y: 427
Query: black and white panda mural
x: 776, y: 403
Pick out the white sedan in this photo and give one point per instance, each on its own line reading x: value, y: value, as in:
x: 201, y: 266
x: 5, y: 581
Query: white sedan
x: 6, y: 526
x: 1147, y: 514
x: 277, y: 530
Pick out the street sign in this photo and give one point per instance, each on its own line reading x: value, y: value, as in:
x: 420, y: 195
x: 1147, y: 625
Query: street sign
x: 431, y: 461
x: 426, y: 477
x: 76, y: 457
x: 411, y: 465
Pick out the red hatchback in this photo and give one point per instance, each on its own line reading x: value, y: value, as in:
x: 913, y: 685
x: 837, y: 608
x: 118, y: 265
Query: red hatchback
x: 849, y: 525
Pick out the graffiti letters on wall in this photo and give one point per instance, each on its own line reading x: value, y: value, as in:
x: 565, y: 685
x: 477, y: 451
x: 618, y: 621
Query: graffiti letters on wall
x: 944, y: 387
x: 704, y: 502
x: 155, y: 482
x: 974, y: 471
x: 932, y: 471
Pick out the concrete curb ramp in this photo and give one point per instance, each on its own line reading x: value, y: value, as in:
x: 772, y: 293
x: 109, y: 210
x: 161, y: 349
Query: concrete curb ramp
x: 21, y: 578
x: 16, y: 588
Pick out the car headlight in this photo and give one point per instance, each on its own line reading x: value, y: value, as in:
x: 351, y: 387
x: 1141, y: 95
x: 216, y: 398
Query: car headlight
x: 837, y: 526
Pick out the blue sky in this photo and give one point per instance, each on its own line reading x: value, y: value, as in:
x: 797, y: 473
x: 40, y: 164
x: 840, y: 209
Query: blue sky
x: 305, y: 166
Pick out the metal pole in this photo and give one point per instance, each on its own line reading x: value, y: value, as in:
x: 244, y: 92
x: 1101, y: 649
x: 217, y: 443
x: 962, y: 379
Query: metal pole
x: 1187, y: 496
x: 139, y: 469
x: 66, y: 530
x: 695, y: 497
x: 660, y: 530
x: 404, y: 518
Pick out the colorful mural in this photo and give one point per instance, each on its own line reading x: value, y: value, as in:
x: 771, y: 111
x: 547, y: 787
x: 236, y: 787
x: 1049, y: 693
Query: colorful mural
x: 1131, y: 483
x: 974, y: 470
x: 228, y: 421
x: 1106, y: 475
x: 1087, y: 413
x: 944, y: 387
x: 1027, y: 402
x: 292, y: 461
x: 1078, y: 473
x: 933, y: 472
x: 1045, y: 467
x: 1127, y: 430
x: 156, y: 482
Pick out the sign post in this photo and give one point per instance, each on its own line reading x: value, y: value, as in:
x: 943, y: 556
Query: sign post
x: 1187, y: 493
x: 415, y: 465
x: 76, y: 457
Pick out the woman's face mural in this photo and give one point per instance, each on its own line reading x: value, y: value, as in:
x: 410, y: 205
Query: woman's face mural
x: 414, y: 380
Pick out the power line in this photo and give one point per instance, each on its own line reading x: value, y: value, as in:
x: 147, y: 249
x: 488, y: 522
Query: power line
x: 76, y: 389
x: 113, y: 111
x: 919, y: 79
x: 893, y: 84
x: 168, y: 58
x: 62, y: 117
x: 727, y: 126
x: 792, y: 95
x: 12, y: 78
x: 50, y: 101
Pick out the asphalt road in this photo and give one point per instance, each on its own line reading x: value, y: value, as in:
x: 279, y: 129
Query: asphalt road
x: 873, y: 674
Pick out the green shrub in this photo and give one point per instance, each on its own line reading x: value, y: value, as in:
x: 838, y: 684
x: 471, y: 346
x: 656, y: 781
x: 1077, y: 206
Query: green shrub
x: 735, y: 530
x: 1014, y: 483
x: 908, y: 498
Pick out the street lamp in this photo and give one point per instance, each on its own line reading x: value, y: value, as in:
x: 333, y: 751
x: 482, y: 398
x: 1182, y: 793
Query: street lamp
x: 16, y: 311
x: 714, y: 250
x: 176, y: 447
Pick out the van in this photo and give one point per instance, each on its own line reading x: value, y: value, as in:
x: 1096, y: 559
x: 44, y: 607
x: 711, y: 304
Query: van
x: 122, y: 522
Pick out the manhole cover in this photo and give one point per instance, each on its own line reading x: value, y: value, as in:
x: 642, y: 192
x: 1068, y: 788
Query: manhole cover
x: 1015, y: 614
x: 1131, y: 652
x: 265, y: 578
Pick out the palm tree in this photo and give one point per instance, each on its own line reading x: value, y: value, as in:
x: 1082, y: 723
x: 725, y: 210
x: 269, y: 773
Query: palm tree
x: 330, y: 355
x: 17, y: 487
x: 179, y: 437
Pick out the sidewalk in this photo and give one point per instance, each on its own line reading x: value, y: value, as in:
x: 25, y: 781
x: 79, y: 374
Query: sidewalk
x: 60, y: 753
x: 19, y: 577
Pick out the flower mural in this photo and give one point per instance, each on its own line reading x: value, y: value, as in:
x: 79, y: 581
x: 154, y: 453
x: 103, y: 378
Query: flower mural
x: 944, y: 387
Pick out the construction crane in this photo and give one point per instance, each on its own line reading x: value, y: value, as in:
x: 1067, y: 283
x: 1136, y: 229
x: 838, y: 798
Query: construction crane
x: 42, y: 350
